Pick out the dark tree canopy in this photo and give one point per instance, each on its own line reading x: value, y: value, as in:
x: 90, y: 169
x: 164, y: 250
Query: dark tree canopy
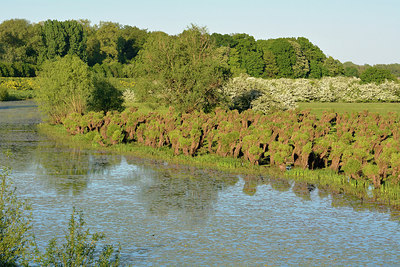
x: 376, y: 75
x: 63, y: 38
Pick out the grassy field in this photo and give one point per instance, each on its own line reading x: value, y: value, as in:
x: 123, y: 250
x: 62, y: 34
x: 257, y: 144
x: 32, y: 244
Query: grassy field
x: 317, y: 108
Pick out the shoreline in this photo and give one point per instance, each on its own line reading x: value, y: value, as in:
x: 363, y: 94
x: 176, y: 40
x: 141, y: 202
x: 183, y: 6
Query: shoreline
x: 329, y: 180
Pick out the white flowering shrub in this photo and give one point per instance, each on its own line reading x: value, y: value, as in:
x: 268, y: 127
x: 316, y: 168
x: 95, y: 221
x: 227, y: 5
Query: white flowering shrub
x: 128, y: 95
x: 248, y: 92
x: 264, y: 94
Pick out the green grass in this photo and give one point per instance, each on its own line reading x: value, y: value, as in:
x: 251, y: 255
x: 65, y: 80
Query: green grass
x: 382, y: 108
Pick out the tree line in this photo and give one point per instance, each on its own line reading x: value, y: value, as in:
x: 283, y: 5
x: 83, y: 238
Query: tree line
x: 112, y: 49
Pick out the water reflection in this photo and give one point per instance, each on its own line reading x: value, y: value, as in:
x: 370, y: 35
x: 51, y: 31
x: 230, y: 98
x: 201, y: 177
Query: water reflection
x: 182, y: 190
x: 166, y: 214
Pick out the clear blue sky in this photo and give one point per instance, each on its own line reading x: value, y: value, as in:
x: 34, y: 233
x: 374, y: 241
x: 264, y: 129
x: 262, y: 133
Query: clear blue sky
x: 362, y: 31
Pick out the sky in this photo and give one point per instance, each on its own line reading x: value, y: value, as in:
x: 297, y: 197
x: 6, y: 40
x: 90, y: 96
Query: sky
x: 361, y: 31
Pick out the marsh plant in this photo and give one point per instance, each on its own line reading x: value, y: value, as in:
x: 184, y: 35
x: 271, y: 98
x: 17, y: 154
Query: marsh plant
x: 17, y: 242
x: 79, y: 248
x: 15, y: 224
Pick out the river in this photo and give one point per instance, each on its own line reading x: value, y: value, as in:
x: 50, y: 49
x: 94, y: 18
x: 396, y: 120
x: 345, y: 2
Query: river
x: 165, y: 214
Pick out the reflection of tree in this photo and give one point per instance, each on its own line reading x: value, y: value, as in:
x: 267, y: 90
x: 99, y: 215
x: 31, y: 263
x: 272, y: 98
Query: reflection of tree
x: 62, y: 168
x: 250, y: 184
x: 184, y: 190
x: 303, y: 190
x: 281, y: 185
x: 67, y: 169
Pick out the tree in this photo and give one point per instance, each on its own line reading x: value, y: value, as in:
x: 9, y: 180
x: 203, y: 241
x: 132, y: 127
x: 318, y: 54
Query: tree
x: 224, y: 40
x: 105, y: 96
x: 184, y: 71
x: 60, y: 38
x: 270, y: 67
x: 351, y: 72
x: 250, y: 58
x: 332, y: 67
x: 67, y: 85
x: 376, y: 75
x: 301, y: 68
x: 110, y: 40
x: 134, y: 39
x: 285, y: 56
x: 18, y: 41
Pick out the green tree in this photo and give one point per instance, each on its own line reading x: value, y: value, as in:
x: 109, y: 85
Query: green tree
x: 250, y: 58
x: 376, y: 75
x: 224, y: 40
x: 105, y: 96
x: 133, y: 41
x: 311, y: 51
x: 301, y: 68
x: 65, y: 87
x: 19, y: 41
x: 351, y: 72
x: 285, y: 56
x: 184, y: 71
x: 110, y: 41
x: 271, y: 69
x: 60, y: 38
x: 332, y: 67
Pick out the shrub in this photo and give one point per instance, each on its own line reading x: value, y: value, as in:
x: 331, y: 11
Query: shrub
x: 15, y: 224
x: 67, y: 85
x: 80, y: 248
x: 3, y: 94
x: 244, y: 91
x: 105, y: 96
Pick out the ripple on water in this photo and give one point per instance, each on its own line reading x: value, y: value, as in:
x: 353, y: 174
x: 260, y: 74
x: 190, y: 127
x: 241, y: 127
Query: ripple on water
x: 164, y: 214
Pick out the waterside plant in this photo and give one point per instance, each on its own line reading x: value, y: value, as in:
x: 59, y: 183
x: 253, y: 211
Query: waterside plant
x: 362, y: 147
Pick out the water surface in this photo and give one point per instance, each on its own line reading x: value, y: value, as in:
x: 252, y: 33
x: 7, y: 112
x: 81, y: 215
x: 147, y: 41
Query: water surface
x: 165, y: 214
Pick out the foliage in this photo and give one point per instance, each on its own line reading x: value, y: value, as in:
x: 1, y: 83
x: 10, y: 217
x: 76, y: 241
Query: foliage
x: 362, y: 145
x: 247, y: 92
x: 19, y: 83
x: 17, y: 69
x: 15, y: 224
x: 3, y: 93
x: 243, y: 90
x: 19, y: 42
x: 377, y: 76
x: 80, y: 248
x: 184, y: 71
x: 393, y: 68
x: 351, y: 72
x: 63, y: 38
x: 65, y: 86
x: 104, y: 96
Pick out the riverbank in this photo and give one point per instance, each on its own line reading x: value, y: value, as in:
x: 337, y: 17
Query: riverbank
x: 322, y: 178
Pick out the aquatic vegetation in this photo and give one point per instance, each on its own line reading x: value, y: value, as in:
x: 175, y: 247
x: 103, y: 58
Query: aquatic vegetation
x: 360, y: 146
